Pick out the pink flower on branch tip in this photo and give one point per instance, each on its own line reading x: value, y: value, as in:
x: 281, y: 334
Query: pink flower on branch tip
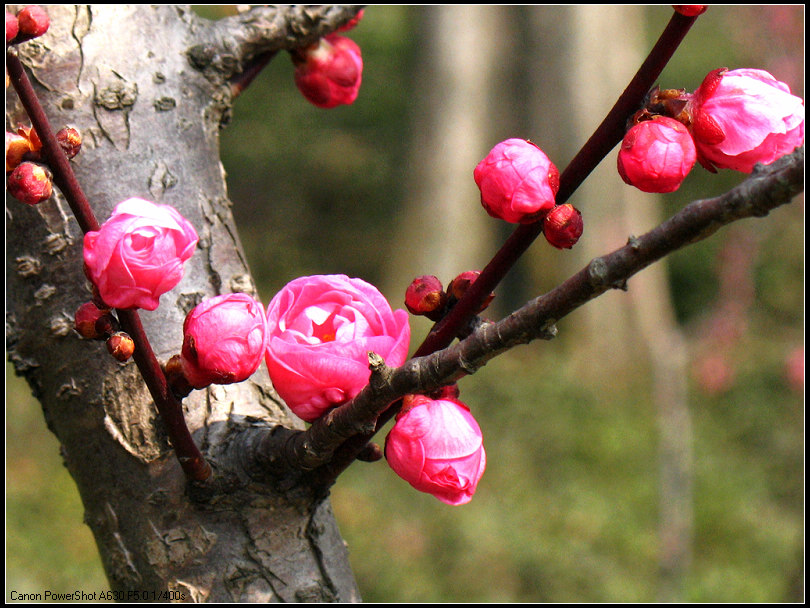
x: 518, y: 182
x: 563, y: 226
x: 320, y: 331
x: 437, y: 447
x: 224, y: 340
x: 329, y: 72
x: 138, y: 254
x: 656, y: 155
x: 743, y: 117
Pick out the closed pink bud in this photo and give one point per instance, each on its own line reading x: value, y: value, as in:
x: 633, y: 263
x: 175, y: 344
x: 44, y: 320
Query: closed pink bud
x: 437, y: 447
x: 744, y: 117
x: 656, y: 155
x: 329, y: 73
x: 30, y: 183
x: 33, y: 21
x: 12, y: 27
x: 224, y: 339
x: 320, y: 331
x: 563, y: 226
x: 690, y: 10
x: 138, y: 254
x: 121, y: 346
x: 518, y: 182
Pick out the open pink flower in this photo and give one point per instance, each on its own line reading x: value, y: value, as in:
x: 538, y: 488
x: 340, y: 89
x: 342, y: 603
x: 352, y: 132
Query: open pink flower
x: 437, y: 447
x: 138, y: 254
x: 656, y: 155
x: 320, y: 331
x: 329, y: 72
x: 518, y: 182
x: 744, y: 117
x: 224, y: 340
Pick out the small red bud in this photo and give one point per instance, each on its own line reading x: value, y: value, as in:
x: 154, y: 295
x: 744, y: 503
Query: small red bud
x: 458, y: 287
x: 90, y: 321
x: 121, y: 346
x: 33, y: 21
x: 563, y: 226
x: 17, y: 147
x: 425, y: 296
x: 12, y: 27
x: 70, y: 140
x: 690, y: 10
x: 30, y: 183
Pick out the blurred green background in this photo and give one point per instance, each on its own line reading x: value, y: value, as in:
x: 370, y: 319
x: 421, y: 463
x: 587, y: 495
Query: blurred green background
x: 570, y: 508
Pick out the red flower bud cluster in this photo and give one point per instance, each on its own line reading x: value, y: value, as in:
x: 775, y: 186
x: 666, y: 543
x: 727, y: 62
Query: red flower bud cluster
x: 94, y: 323
x: 329, y: 72
x: 29, y: 179
x: 31, y: 22
x: 426, y: 296
x: 734, y: 120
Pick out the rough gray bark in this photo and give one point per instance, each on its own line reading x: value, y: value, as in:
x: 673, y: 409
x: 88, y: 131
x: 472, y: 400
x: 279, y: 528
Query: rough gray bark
x: 148, y: 88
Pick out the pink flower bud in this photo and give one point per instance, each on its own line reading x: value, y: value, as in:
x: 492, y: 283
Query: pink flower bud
x: 329, y: 73
x: 563, y: 226
x: 138, y: 254
x: 33, y: 21
x: 425, y: 296
x: 518, y: 182
x: 12, y: 27
x: 690, y: 10
x: 656, y: 155
x: 320, y: 331
x: 744, y: 117
x: 30, y: 183
x: 224, y: 340
x: 437, y: 447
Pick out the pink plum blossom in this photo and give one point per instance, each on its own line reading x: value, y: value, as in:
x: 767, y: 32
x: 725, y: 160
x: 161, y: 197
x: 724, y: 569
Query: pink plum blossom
x: 329, y: 72
x: 320, y: 331
x: 224, y: 340
x: 656, y: 155
x: 744, y: 117
x: 518, y: 182
x: 138, y: 254
x: 437, y: 447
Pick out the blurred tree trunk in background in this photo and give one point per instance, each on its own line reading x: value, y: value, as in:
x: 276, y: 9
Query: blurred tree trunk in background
x: 621, y: 333
x: 442, y: 232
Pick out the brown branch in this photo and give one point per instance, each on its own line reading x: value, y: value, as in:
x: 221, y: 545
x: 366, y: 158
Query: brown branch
x: 324, y: 443
x: 236, y: 48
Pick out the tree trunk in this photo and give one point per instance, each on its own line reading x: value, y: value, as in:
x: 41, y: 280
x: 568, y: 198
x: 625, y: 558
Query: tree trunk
x: 147, y: 86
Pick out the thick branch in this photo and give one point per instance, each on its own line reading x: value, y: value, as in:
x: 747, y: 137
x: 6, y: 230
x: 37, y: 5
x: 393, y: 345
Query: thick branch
x: 766, y: 189
x: 236, y: 45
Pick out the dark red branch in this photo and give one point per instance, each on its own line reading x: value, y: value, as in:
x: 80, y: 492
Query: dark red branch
x: 170, y: 410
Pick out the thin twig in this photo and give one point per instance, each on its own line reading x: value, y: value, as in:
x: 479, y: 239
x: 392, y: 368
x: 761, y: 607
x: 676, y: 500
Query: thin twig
x: 171, y: 412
